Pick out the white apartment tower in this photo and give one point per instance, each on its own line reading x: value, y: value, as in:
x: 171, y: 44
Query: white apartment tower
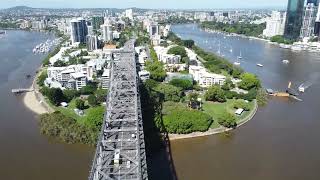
x: 275, y: 24
x: 92, y: 43
x: 107, y: 32
x: 129, y: 14
x: 308, y: 21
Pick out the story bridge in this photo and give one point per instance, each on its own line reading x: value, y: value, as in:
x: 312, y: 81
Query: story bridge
x: 120, y: 152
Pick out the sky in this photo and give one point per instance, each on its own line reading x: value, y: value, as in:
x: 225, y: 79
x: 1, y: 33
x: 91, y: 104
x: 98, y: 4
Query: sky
x: 172, y: 4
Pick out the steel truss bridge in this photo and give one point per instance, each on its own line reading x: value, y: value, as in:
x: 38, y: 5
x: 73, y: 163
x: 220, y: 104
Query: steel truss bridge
x: 120, y: 152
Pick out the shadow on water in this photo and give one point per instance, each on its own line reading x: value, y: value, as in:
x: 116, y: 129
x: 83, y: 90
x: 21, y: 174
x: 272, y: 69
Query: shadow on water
x: 158, y: 147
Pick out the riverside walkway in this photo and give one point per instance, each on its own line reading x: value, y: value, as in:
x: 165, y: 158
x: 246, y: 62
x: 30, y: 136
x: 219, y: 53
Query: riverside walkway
x: 120, y: 152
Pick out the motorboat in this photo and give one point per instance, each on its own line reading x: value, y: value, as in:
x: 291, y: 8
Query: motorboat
x: 237, y: 63
x: 285, y: 61
x: 260, y: 65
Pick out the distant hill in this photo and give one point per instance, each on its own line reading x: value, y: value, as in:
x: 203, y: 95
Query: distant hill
x: 20, y: 8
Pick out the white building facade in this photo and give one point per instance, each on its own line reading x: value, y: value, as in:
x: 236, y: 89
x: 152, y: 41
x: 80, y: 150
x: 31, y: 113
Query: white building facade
x: 275, y: 24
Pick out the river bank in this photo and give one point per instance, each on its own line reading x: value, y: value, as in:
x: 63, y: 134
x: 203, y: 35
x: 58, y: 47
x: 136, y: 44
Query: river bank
x: 311, y: 47
x: 214, y: 131
x: 34, y: 100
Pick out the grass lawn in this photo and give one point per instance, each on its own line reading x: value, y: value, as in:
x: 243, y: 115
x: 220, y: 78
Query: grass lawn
x: 90, y: 112
x: 215, y: 110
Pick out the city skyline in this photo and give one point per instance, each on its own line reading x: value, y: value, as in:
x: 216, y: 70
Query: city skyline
x: 164, y: 4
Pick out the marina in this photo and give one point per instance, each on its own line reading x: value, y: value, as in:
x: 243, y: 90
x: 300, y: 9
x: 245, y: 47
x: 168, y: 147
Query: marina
x: 46, y: 46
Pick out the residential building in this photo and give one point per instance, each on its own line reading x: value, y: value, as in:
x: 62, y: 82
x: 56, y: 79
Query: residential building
x: 294, y: 19
x: 129, y: 14
x: 308, y: 22
x: 314, y: 2
x: 205, y: 78
x: 80, y: 80
x: 105, y: 79
x: 79, y: 31
x: 92, y: 43
x: 107, y: 32
x: 275, y: 24
x: 166, y: 58
x: 317, y: 23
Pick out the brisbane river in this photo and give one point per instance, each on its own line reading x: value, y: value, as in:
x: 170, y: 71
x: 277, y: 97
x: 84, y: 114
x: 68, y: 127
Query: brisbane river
x: 280, y: 143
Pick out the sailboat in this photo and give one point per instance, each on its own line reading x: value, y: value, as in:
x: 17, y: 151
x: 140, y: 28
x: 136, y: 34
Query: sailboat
x: 219, y: 51
x: 240, y: 56
x: 237, y: 63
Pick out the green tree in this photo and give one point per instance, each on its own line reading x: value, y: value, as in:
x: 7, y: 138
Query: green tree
x: 59, y: 63
x: 43, y: 76
x: 215, y: 93
x: 156, y: 70
x: 70, y: 94
x: 178, y: 50
x: 227, y: 120
x: 188, y: 43
x: 92, y: 100
x: 249, y: 81
x: 55, y: 95
x: 101, y: 95
x: 80, y: 104
x: 241, y: 104
x: 90, y: 88
x: 170, y: 92
x: 185, y: 84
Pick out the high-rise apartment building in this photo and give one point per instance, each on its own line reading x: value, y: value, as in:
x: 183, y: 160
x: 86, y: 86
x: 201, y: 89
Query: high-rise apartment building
x: 92, y: 42
x: 293, y: 25
x: 107, y: 32
x: 79, y: 31
x: 275, y: 24
x: 129, y: 14
x: 314, y: 2
x: 308, y: 21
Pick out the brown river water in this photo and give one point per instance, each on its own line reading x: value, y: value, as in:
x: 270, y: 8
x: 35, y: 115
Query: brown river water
x: 280, y: 143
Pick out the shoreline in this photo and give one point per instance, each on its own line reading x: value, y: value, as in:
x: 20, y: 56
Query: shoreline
x: 34, y: 100
x: 279, y: 45
x: 219, y: 130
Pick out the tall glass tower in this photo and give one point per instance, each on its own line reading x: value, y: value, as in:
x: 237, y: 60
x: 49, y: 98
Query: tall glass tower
x: 294, y: 19
x: 315, y: 2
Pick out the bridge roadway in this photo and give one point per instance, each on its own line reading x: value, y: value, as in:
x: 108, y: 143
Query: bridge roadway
x: 120, y: 152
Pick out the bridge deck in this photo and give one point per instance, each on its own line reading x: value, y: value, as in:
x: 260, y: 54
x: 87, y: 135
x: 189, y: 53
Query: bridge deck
x: 120, y: 152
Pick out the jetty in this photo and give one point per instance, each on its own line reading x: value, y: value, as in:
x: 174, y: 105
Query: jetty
x: 19, y: 91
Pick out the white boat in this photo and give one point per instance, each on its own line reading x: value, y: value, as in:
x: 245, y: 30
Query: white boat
x: 260, y: 65
x: 301, y: 89
x: 285, y: 61
x: 237, y: 63
x: 240, y: 56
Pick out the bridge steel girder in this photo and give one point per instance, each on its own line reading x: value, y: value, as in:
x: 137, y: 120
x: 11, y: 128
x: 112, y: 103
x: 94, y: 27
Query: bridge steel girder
x: 120, y: 152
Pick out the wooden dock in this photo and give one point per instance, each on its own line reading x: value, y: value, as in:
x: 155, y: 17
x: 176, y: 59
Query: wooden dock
x: 19, y: 91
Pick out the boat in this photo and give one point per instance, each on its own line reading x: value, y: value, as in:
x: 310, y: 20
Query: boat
x: 301, y: 89
x: 237, y: 63
x: 231, y: 50
x: 240, y: 56
x: 285, y: 61
x: 260, y: 65
x: 2, y: 32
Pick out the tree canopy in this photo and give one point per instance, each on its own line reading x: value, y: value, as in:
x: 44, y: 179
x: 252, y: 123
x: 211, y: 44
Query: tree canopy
x: 185, y: 84
x: 178, y: 50
x: 180, y: 120
x: 227, y: 120
x: 249, y: 81
x: 169, y: 92
x: 215, y: 93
